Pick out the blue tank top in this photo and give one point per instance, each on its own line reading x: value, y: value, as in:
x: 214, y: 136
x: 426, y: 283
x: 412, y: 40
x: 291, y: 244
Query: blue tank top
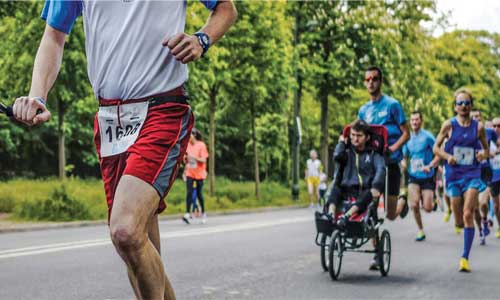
x: 462, y: 145
x: 491, y: 136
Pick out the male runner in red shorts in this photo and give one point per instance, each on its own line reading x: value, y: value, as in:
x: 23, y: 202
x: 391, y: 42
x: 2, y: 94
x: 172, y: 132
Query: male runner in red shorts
x: 137, y: 53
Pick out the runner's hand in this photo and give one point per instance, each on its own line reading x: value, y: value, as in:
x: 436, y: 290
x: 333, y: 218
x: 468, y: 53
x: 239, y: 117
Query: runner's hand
x: 481, y: 155
x: 184, y: 47
x: 375, y: 193
x: 451, y: 160
x: 25, y: 110
x: 426, y: 169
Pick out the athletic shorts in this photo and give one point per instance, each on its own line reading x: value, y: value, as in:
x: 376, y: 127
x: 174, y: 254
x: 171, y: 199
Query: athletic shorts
x: 495, y: 188
x: 458, y: 187
x: 394, y: 183
x: 156, y: 154
x: 425, y: 184
x: 313, y: 180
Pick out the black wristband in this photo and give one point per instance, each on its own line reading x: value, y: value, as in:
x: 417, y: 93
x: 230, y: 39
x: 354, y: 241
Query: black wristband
x: 204, y: 41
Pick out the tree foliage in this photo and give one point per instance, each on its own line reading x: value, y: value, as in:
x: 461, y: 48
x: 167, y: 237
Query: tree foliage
x: 242, y: 90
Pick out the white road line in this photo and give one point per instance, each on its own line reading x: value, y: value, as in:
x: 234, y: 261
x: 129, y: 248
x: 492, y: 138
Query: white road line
x: 50, y: 248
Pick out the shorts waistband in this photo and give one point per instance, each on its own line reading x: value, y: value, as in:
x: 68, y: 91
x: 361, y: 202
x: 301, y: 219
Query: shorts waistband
x: 177, y: 95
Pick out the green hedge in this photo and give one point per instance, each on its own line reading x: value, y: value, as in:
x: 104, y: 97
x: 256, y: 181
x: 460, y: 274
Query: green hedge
x: 83, y: 199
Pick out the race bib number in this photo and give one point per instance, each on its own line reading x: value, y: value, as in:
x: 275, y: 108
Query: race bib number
x: 117, y: 139
x: 417, y: 164
x: 463, y: 155
x: 495, y: 163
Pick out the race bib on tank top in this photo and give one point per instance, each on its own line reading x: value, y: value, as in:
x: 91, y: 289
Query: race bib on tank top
x: 119, y: 126
x: 463, y: 155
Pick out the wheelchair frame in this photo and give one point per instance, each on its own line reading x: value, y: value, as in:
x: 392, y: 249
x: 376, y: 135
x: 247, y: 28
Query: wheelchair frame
x: 334, y: 240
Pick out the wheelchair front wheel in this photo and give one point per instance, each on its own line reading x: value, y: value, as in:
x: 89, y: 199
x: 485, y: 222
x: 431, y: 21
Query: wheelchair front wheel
x: 384, y: 252
x: 335, y: 255
x: 324, y: 251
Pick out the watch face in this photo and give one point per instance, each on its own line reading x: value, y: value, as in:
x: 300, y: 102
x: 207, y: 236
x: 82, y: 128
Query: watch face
x: 204, y: 39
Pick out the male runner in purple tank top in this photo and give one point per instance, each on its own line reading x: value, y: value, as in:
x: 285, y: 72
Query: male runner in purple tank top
x: 462, y: 162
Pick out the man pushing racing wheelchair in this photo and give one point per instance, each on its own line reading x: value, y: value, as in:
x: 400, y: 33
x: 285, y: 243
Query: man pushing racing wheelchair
x: 349, y: 219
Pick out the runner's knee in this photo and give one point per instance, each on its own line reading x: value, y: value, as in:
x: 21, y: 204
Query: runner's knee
x: 468, y: 214
x: 126, y: 238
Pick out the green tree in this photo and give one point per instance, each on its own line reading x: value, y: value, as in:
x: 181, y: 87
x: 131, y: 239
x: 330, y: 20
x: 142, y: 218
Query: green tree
x: 21, y: 30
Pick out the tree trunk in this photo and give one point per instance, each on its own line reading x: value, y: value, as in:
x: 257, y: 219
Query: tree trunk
x: 255, y: 155
x: 211, y: 142
x: 61, y: 136
x: 324, y: 129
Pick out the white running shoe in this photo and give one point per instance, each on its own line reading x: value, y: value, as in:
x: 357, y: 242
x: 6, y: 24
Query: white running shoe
x: 204, y: 218
x: 186, y: 218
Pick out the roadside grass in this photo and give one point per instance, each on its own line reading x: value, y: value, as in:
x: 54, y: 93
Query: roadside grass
x: 75, y: 199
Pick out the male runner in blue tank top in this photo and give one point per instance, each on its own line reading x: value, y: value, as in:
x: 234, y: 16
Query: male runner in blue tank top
x: 484, y: 197
x: 420, y: 170
x: 495, y: 181
x: 385, y: 110
x: 137, y: 53
x: 463, y: 171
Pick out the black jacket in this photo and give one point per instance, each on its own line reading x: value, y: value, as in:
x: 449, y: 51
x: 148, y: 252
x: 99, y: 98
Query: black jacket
x: 359, y: 170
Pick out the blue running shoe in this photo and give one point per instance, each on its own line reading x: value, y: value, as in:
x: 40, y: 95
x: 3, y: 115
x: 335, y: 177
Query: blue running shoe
x: 486, y: 229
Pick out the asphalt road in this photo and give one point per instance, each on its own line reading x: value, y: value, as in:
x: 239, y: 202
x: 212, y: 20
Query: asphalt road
x: 268, y: 255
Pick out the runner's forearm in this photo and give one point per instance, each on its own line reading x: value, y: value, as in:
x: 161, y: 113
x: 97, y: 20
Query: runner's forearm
x: 435, y: 161
x: 47, y: 62
x: 405, y: 136
x: 220, y: 20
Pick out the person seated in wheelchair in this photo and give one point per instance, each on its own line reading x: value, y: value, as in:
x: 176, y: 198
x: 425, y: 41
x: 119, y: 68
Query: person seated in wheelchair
x: 361, y: 174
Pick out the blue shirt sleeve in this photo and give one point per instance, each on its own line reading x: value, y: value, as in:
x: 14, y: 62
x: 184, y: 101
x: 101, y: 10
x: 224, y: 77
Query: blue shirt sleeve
x: 397, y: 113
x: 494, y: 136
x: 61, y: 15
x: 360, y: 113
x: 431, y: 140
x: 210, y: 4
x: 405, y: 150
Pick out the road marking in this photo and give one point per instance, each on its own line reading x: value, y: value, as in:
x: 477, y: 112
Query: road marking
x: 194, y: 231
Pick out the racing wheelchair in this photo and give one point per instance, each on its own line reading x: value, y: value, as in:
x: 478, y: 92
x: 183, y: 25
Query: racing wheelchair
x: 334, y: 239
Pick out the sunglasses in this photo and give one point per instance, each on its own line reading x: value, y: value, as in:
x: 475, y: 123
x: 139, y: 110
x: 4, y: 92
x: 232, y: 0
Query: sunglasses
x: 496, y: 125
x: 464, y: 102
x: 372, y: 78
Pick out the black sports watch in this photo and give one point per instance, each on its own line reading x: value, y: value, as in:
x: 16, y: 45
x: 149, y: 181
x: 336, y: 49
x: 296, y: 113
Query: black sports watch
x: 204, y: 41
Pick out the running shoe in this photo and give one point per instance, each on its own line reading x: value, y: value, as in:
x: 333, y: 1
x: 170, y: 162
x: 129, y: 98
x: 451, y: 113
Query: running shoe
x: 204, y: 218
x: 420, y: 236
x: 497, y: 234
x: 486, y: 229
x: 464, y: 265
x: 458, y: 230
x: 447, y: 216
x: 405, y: 209
x: 186, y: 218
x: 374, y: 264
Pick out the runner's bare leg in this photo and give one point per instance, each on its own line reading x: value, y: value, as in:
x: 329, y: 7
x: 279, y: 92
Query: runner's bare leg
x: 135, y: 203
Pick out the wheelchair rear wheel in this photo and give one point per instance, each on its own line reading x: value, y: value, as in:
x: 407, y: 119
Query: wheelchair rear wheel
x: 384, y: 252
x: 335, y: 255
x: 324, y: 251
